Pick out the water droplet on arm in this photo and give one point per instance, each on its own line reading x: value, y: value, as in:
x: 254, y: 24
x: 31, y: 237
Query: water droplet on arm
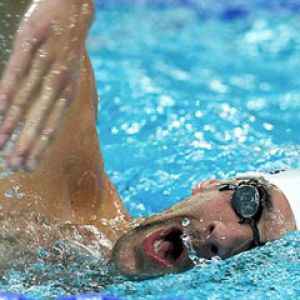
x: 9, y: 194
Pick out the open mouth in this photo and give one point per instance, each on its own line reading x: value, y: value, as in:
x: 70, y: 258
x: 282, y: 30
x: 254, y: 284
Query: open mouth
x: 165, y: 247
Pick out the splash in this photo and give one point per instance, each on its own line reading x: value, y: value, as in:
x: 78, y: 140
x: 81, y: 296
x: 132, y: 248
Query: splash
x: 46, y: 256
x: 192, y: 253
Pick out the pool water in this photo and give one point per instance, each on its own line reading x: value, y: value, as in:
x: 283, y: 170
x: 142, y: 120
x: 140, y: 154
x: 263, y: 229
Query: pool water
x: 190, y: 92
x: 188, y: 96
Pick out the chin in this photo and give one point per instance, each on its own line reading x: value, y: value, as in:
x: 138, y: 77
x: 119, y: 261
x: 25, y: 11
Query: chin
x: 150, y: 251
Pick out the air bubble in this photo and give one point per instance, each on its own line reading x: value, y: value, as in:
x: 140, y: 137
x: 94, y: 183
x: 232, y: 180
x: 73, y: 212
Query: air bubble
x: 185, y: 239
x: 185, y: 222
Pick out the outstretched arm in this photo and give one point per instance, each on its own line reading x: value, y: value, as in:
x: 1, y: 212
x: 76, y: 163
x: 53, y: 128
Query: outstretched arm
x: 42, y: 76
x: 37, y: 87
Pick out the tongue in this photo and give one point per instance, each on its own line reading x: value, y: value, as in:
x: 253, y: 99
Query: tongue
x: 164, y: 248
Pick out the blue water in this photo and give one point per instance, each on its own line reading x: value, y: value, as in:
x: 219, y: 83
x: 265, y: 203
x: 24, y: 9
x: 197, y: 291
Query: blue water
x: 190, y: 92
x: 187, y: 95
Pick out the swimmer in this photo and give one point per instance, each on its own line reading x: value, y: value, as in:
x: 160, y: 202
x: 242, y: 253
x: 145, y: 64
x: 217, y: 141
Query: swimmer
x: 48, y: 97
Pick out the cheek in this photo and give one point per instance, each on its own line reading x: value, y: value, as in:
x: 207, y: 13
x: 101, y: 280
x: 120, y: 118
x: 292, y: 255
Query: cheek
x: 232, y: 238
x: 234, y: 232
x: 220, y: 209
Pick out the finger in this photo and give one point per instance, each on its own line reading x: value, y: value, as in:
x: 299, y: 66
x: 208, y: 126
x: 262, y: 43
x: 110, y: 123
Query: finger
x: 9, y: 123
x: 35, y: 77
x: 51, y: 127
x: 33, y: 80
x: 24, y: 48
x: 36, y: 116
x: 16, y: 110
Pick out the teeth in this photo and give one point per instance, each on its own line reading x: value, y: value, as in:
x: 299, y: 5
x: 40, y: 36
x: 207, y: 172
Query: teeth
x: 156, y: 245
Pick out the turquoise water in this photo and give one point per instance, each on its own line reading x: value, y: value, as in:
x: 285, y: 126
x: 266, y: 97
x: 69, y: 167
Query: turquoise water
x: 187, y: 96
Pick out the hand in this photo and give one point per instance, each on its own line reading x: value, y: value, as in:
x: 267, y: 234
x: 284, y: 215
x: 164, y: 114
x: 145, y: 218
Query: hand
x: 42, y: 76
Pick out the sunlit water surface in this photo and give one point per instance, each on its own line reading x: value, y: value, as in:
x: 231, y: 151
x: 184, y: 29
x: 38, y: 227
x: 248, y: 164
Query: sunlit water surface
x: 186, y: 96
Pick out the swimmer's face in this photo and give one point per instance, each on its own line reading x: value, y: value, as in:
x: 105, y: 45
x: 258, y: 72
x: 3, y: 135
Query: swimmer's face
x: 213, y: 228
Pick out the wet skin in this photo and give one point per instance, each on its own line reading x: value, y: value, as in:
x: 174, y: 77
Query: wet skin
x: 67, y: 181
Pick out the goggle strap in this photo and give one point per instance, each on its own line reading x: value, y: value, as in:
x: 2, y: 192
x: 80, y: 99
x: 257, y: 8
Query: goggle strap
x: 255, y: 231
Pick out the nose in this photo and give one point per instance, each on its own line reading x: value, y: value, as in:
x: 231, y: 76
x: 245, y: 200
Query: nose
x: 220, y: 241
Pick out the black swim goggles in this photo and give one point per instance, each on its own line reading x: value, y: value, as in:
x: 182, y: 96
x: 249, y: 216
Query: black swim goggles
x: 247, y: 202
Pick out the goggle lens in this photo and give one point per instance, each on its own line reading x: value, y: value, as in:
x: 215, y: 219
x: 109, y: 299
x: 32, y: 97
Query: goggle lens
x: 247, y: 203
